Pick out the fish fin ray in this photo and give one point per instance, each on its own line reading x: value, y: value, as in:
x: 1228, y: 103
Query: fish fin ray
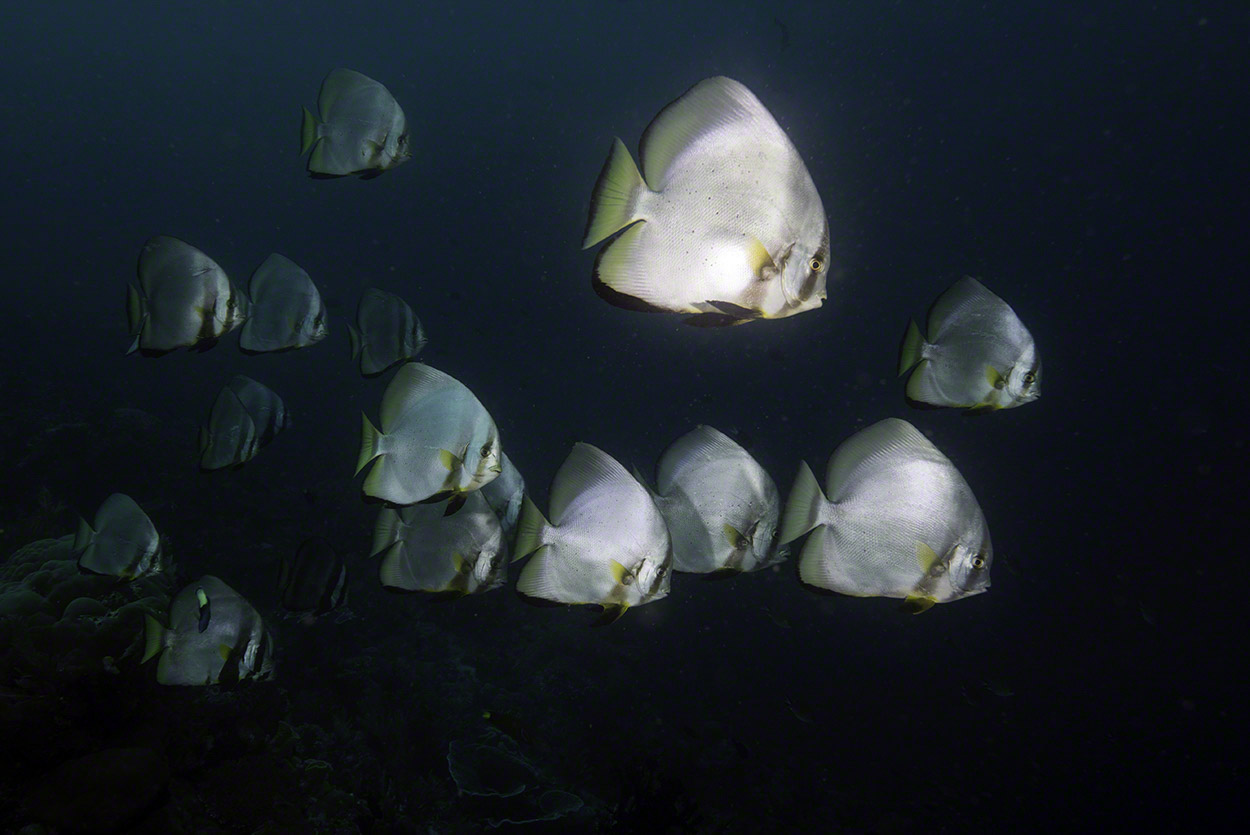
x: 613, y: 203
x: 911, y: 352
x: 802, y: 511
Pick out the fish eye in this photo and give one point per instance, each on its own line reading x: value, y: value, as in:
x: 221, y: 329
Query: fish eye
x: 1029, y: 378
x: 817, y: 263
x: 977, y: 562
x: 485, y: 451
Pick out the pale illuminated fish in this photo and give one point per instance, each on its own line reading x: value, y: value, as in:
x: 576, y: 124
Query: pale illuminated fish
x: 978, y: 355
x: 721, y: 506
x: 360, y: 128
x: 286, y: 310
x: 437, y: 440
x: 122, y: 542
x: 313, y: 579
x: 724, y: 221
x: 606, y: 542
x: 423, y: 549
x: 387, y: 332
x: 214, y: 635
x: 899, y: 521
x: 182, y: 299
x: 505, y: 493
x: 263, y: 405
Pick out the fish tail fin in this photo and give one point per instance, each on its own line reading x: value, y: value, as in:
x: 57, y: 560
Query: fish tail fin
x: 83, y: 537
x: 370, y: 438
x: 154, y: 638
x: 815, y: 568
x: 307, y: 132
x: 613, y: 201
x: 802, y: 507
x: 912, y: 349
x: 354, y: 336
x: 529, y: 529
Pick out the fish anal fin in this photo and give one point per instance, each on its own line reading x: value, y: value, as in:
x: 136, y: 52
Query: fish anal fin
x: 915, y: 603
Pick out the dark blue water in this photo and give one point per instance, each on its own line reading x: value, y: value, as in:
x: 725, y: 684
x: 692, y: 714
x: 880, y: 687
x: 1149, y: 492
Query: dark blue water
x: 1087, y: 163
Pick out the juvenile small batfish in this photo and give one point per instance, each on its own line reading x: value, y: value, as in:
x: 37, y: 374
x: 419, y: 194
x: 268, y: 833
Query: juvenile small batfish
x: 313, y: 579
x: 723, y: 222
x: 182, y: 299
x: 429, y: 551
x: 899, y: 521
x: 978, y: 355
x: 360, y: 128
x: 504, y: 495
x: 122, y: 542
x: 387, y: 332
x: 214, y: 636
x: 437, y: 441
x: 606, y: 543
x: 286, y: 309
x: 721, y: 507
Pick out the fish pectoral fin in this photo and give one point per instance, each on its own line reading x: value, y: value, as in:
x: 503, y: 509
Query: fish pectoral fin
x: 224, y: 651
x: 917, y: 603
x: 450, y: 460
x: 461, y: 564
x: 620, y: 573
x: 763, y: 267
x: 994, y: 378
x: 926, y: 556
x: 734, y: 537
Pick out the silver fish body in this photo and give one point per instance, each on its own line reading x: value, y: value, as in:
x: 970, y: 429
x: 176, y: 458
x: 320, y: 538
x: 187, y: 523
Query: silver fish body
x: 723, y: 222
x: 606, y: 542
x: 183, y: 299
x: 424, y: 549
x: 286, y: 308
x: 245, y: 417
x: 359, y: 128
x: 121, y: 542
x: 504, y: 495
x: 721, y: 506
x: 437, y: 440
x: 214, y: 635
x: 977, y: 354
x: 387, y: 332
x: 898, y: 521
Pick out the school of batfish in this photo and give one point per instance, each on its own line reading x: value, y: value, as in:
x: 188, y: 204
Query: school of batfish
x: 719, y: 221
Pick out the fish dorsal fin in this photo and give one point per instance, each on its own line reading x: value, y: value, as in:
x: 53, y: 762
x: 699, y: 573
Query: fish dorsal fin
x: 413, y: 382
x: 339, y: 82
x: 701, y: 444
x: 711, y: 104
x: 966, y: 293
x: 587, y: 469
x: 888, y: 439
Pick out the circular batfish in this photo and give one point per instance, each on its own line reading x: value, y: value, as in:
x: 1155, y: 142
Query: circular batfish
x: 978, y: 355
x: 387, y: 332
x: 123, y: 542
x: 606, y: 542
x: 361, y: 129
x: 724, y: 221
x: 425, y: 550
x: 286, y: 312
x: 899, y: 521
x: 721, y: 507
x: 437, y: 441
x: 183, y: 299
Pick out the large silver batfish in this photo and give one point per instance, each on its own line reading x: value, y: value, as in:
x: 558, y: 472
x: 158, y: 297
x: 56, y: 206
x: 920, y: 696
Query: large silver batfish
x: 361, y: 129
x: 899, y: 521
x: 724, y: 221
x: 978, y: 355
x: 606, y: 542
x: 183, y: 299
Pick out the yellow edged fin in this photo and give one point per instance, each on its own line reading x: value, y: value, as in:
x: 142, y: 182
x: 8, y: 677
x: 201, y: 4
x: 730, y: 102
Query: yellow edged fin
x: 461, y: 566
x: 915, y: 604
x: 224, y: 651
x: 735, y: 538
x: 154, y: 638
x: 759, y: 258
x: 449, y: 460
x: 614, y: 196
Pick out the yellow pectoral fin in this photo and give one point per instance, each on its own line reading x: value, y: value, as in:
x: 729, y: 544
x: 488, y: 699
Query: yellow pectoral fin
x: 926, y: 556
x: 619, y: 572
x: 735, y: 537
x: 759, y: 258
x: 224, y: 651
x: 449, y: 460
x: 995, y: 379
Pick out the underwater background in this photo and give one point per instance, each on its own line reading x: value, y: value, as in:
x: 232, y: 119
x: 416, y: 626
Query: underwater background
x: 1086, y: 160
